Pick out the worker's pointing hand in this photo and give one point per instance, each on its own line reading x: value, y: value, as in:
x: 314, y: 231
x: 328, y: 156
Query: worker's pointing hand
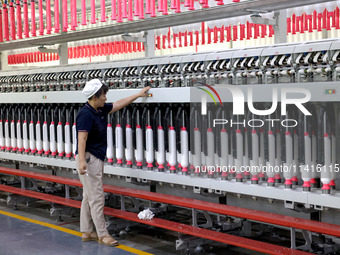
x: 144, y: 92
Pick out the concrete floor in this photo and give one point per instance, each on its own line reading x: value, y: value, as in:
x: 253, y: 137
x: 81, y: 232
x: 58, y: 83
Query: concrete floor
x: 19, y: 237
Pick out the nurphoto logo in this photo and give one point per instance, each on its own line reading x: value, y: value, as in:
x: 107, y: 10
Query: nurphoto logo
x: 239, y: 99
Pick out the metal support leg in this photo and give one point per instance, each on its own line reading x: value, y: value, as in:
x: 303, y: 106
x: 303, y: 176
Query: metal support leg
x: 63, y: 54
x: 122, y: 203
x: 194, y: 217
x: 149, y: 44
x: 308, y: 238
x: 209, y: 222
x: 23, y: 182
x: 246, y: 228
x: 67, y: 191
x: 136, y: 204
x: 1, y: 61
x: 292, y: 238
x: 35, y: 184
x: 306, y: 235
x: 280, y: 30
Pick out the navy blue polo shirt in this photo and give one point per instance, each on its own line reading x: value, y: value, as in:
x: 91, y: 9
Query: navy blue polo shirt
x: 95, y: 123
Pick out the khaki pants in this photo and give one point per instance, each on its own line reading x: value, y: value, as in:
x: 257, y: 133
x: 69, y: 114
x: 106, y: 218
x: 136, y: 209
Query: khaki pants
x: 92, y: 206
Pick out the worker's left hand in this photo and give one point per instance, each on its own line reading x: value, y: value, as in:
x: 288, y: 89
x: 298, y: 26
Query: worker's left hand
x: 144, y: 92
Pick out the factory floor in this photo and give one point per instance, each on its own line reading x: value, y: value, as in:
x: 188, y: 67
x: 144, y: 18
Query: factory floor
x: 32, y: 231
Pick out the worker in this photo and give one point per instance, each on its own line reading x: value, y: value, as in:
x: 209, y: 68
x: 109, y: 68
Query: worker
x: 91, y: 126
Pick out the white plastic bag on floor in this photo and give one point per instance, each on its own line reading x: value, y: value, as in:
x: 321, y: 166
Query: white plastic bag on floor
x: 146, y: 214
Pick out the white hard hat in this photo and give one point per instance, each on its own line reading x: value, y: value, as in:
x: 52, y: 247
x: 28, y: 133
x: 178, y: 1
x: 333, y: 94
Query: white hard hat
x: 91, y: 88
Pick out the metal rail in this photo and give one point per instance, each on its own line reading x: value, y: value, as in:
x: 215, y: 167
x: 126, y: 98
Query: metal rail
x: 262, y: 93
x: 276, y: 219
x: 259, y: 190
x: 177, y: 19
x: 170, y: 225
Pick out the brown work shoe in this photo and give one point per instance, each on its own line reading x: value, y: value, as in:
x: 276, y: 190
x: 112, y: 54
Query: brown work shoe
x: 89, y: 236
x: 108, y: 241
